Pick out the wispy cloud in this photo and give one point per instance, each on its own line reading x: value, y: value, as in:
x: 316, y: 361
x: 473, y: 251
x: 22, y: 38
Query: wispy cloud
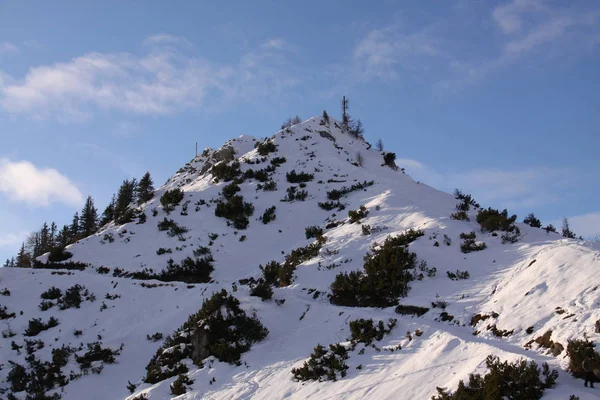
x: 518, y: 189
x: 23, y: 182
x: 446, y: 53
x: 383, y: 51
x: 12, y: 239
x: 162, y: 81
x: 586, y: 225
x: 7, y: 47
x: 163, y: 38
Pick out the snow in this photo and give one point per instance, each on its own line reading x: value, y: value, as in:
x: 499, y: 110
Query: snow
x: 523, y: 282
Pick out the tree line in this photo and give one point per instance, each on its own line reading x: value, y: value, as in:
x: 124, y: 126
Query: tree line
x: 121, y: 209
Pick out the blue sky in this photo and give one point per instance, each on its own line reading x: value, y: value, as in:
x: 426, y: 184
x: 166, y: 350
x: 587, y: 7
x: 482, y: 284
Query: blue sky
x: 497, y: 98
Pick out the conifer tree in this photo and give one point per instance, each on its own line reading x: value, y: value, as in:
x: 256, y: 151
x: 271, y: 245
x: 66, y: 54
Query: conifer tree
x: 125, y: 197
x: 88, y: 222
x: 109, y: 212
x: 566, y: 230
x: 325, y: 116
x: 379, y: 145
x: 23, y: 258
x: 63, y: 238
x: 145, y: 189
x: 74, y: 228
x: 532, y: 221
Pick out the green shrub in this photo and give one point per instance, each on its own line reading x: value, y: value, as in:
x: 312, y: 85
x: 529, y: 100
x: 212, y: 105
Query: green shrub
x: 268, y: 186
x: 266, y: 147
x: 263, y: 290
x: 458, y: 275
x: 277, y: 161
x: 313, y: 231
x: 171, y: 227
x: 302, y: 177
x: 330, y: 205
x: 235, y: 210
x: 162, y: 251
x: 52, y: 294
x: 356, y: 215
x: 59, y: 254
x: 294, y: 194
x: 577, y: 351
x: 74, y: 296
x: 178, y: 387
x: 387, y: 273
x: 532, y: 221
x: 493, y: 220
x: 323, y: 364
x: 45, y: 305
x: 230, y: 190
x: 365, y: 331
x: 337, y: 194
x: 95, y: 352
x: 411, y: 310
x: 190, y: 270
x: 469, y: 244
x: 460, y: 216
x: 389, y: 159
x: 269, y: 215
x: 519, y: 381
x: 171, y: 198
x: 220, y: 329
x: 226, y: 172
x: 280, y: 275
x: 35, y: 326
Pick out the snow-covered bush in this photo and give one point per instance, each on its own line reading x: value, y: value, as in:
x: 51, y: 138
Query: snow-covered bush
x: 387, y: 272
x: 172, y: 228
x: 365, y: 331
x: 220, y: 329
x: 519, y: 380
x: 236, y: 210
x: 313, y: 231
x: 577, y: 351
x: 469, y: 244
x: 170, y: 199
x: 226, y: 172
x: 266, y: 147
x: 323, y: 364
x: 302, y: 177
x: 356, y: 215
x: 269, y: 215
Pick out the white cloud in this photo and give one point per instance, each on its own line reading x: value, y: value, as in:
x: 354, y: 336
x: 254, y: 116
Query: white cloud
x: 24, y: 182
x: 162, y: 81
x: 444, y: 51
x: 7, y: 47
x: 12, y: 239
x: 163, y: 38
x: 382, y: 51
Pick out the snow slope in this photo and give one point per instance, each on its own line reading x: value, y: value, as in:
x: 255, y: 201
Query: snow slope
x: 523, y: 283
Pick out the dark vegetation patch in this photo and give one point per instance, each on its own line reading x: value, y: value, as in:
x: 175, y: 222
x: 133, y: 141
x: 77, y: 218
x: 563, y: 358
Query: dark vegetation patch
x: 388, y: 269
x: 519, y: 380
x: 220, y: 329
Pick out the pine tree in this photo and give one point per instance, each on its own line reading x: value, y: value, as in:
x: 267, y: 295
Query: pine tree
x: 326, y: 116
x: 379, y: 145
x: 74, y: 228
x: 45, y: 240
x: 63, y: 238
x: 53, y: 233
x: 357, y: 129
x: 532, y: 221
x: 345, y: 116
x: 145, y: 189
x: 23, y: 258
x: 109, y: 212
x: 125, y: 197
x: 566, y: 230
x: 88, y: 222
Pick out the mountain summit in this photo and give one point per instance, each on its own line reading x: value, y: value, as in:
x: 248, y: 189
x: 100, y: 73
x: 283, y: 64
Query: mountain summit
x: 305, y: 265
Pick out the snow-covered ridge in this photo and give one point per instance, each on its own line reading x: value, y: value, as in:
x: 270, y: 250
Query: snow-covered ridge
x: 522, y: 285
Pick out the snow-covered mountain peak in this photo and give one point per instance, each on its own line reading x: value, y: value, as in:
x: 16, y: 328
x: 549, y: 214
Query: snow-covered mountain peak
x: 296, y: 214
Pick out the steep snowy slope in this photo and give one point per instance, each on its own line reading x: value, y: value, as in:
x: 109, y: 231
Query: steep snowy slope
x: 543, y: 282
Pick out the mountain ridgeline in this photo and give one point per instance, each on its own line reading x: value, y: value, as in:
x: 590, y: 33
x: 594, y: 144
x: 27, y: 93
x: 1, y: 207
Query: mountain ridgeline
x: 304, y: 265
